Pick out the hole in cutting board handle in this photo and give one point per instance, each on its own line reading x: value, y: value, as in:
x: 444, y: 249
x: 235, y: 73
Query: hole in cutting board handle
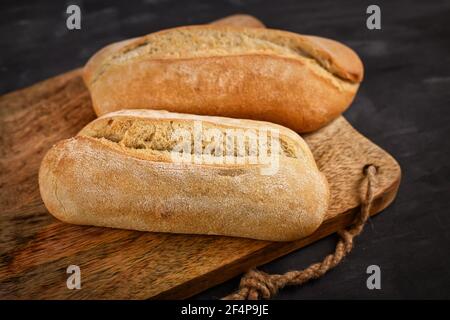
x: 366, y: 167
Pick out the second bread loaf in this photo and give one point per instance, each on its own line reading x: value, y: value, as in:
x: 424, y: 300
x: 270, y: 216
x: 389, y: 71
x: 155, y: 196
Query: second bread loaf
x: 301, y: 82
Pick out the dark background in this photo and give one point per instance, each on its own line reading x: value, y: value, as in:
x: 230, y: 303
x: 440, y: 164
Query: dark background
x: 403, y: 106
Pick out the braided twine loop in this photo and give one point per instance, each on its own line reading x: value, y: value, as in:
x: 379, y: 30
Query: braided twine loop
x: 256, y: 284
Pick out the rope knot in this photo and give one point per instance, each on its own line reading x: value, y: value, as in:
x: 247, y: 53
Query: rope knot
x: 258, y: 284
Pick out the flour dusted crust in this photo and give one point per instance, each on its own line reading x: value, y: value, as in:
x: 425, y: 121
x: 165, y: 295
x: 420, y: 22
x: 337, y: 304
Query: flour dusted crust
x: 301, y: 82
x: 89, y: 180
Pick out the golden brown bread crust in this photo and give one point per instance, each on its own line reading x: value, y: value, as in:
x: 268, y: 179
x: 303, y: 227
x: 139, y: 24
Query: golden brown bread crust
x: 85, y: 180
x: 253, y: 89
x: 239, y: 20
x: 346, y: 62
x: 101, y: 55
x: 302, y: 82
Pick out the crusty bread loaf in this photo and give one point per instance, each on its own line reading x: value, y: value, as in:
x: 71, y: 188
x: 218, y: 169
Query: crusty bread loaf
x: 301, y: 82
x: 119, y: 172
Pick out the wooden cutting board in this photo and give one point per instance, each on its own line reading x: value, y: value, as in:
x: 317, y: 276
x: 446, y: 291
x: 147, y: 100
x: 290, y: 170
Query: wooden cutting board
x: 36, y: 249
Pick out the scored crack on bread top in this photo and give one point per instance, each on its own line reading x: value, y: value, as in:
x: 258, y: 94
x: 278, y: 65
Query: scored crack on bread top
x: 207, y: 41
x: 148, y: 134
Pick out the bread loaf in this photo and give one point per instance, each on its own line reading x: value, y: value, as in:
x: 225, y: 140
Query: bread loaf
x: 119, y: 171
x: 301, y: 82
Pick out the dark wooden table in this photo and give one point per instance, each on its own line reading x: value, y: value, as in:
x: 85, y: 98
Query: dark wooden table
x: 403, y: 106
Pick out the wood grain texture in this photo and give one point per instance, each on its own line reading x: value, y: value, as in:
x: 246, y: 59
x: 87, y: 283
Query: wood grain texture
x: 35, y: 248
